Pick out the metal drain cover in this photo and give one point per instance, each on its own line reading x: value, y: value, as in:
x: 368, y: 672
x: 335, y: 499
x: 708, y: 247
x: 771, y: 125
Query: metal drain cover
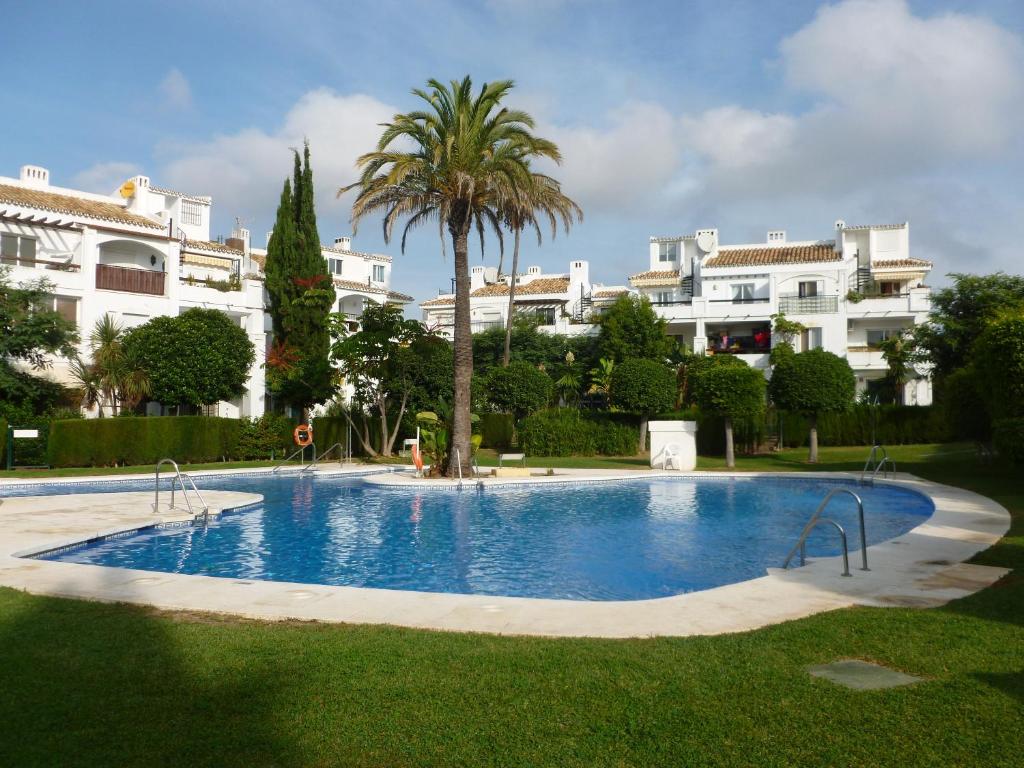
x: 862, y: 675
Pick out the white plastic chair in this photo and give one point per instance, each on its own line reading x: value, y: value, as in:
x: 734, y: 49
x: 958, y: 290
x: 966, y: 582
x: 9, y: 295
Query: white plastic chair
x: 670, y: 453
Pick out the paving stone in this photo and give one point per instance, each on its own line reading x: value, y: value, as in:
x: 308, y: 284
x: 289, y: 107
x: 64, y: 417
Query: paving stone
x: 862, y: 675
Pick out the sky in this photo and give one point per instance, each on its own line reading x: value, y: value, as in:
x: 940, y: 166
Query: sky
x: 671, y: 116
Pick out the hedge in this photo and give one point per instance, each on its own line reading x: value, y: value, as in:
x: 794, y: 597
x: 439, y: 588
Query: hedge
x: 496, y: 430
x: 328, y: 430
x: 569, y: 432
x: 141, y: 440
x: 894, y: 425
x: 3, y: 443
x: 1008, y: 436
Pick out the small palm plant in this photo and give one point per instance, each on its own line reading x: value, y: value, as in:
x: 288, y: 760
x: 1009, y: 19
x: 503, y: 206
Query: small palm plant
x: 115, y: 378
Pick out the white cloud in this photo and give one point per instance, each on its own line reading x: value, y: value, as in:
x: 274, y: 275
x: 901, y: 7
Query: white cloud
x: 244, y: 171
x: 104, y: 178
x: 628, y: 163
x: 175, y: 92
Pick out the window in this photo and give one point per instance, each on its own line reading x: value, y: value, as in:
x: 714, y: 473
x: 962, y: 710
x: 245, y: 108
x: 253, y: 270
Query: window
x: 191, y: 213
x: 810, y: 338
x: 877, y: 335
x: 743, y: 292
x: 546, y: 316
x: 66, y: 307
x: 668, y: 251
x: 334, y: 266
x: 807, y: 289
x: 889, y: 288
x: 17, y: 250
x: 378, y: 273
x: 664, y: 297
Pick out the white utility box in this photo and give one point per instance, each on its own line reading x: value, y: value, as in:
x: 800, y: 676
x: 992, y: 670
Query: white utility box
x: 673, y: 445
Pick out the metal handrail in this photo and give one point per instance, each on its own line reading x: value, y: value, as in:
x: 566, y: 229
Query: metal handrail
x: 816, y: 518
x: 296, y: 453
x: 316, y: 458
x: 872, y: 461
x: 458, y: 463
x: 178, y: 475
x: 882, y: 466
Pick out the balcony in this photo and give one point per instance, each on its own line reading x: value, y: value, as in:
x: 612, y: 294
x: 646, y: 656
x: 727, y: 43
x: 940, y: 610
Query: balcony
x: 111, y: 278
x: 808, y: 305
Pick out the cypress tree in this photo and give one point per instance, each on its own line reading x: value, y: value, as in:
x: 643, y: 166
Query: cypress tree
x: 301, y: 296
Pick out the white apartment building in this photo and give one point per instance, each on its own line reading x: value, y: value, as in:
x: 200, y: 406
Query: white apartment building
x: 561, y: 303
x: 145, y: 251
x: 850, y: 292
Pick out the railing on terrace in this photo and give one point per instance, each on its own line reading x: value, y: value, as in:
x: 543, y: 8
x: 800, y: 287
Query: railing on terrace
x: 111, y: 278
x: 808, y: 304
x: 62, y: 266
x: 673, y: 303
x: 763, y: 300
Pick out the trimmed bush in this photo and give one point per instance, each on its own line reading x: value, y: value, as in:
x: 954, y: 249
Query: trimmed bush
x: 1008, y: 438
x: 141, y: 440
x: 268, y: 437
x: 496, y: 429
x: 569, y: 432
x: 643, y: 387
x: 519, y: 389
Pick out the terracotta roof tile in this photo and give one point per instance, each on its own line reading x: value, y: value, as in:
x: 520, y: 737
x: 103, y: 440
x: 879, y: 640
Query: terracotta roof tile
x: 609, y: 294
x: 72, y: 206
x: 778, y: 254
x: 656, y: 274
x: 356, y: 286
x: 900, y: 263
x: 440, y: 301
x: 397, y: 296
x: 536, y: 286
x: 209, y: 245
x: 260, y: 259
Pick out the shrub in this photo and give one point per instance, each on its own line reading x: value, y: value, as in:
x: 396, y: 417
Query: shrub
x: 965, y: 411
x: 496, y: 429
x: 568, y: 432
x: 268, y: 437
x: 1008, y: 438
x: 894, y: 425
x: 643, y: 387
x: 141, y: 440
x: 519, y: 389
x: 811, y: 383
x: 999, y: 359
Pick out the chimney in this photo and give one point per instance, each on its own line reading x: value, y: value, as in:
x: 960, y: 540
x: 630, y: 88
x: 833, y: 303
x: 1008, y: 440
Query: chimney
x: 343, y: 242
x: 533, y: 271
x: 776, y: 236
x: 241, y: 234
x: 35, y: 176
x: 270, y: 234
x: 476, y: 278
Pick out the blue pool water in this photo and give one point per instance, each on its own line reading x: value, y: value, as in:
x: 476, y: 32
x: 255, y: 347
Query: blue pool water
x: 604, y: 541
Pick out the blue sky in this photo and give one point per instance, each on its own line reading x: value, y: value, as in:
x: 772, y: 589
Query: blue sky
x: 671, y: 116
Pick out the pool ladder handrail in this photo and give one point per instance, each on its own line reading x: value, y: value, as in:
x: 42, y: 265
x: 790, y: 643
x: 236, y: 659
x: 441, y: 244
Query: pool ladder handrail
x: 877, y: 464
x: 317, y: 459
x: 816, y: 519
x: 301, y: 449
x: 180, y: 477
x: 458, y: 463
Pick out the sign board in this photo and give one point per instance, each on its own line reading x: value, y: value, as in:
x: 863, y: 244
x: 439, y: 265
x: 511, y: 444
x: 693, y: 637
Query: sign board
x: 25, y: 433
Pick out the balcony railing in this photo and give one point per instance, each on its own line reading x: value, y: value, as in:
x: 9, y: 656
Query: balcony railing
x: 111, y: 278
x: 763, y: 300
x: 673, y: 303
x: 62, y: 266
x: 808, y: 305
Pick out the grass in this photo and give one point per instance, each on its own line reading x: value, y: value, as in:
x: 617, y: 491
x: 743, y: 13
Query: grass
x: 91, y: 684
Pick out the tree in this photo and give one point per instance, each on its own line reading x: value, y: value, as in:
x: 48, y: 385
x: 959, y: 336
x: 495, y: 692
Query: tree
x: 379, y: 361
x: 519, y: 389
x: 694, y: 365
x: 960, y: 315
x: 786, y: 330
x: 811, y: 383
x: 644, y: 387
x: 199, y: 357
x: 631, y: 328
x: 733, y: 392
x: 899, y: 353
x: 999, y: 360
x: 116, y: 377
x: 542, y: 198
x: 30, y: 332
x: 458, y: 163
x: 301, y: 295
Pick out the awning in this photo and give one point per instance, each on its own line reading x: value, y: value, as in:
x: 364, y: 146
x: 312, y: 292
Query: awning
x: 541, y: 303
x: 208, y: 261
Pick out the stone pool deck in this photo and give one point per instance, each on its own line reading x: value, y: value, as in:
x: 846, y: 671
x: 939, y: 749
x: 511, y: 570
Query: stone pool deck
x: 922, y: 568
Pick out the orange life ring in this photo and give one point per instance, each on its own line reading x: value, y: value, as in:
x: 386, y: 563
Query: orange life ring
x: 303, y: 435
x: 417, y: 458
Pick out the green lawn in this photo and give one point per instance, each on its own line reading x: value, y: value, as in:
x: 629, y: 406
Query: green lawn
x: 96, y: 685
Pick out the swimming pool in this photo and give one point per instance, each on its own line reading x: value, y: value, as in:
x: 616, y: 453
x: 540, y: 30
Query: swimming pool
x: 622, y: 540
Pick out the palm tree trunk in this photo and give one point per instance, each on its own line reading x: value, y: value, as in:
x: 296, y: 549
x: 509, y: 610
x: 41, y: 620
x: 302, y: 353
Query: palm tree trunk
x: 511, y: 301
x: 463, y: 344
x: 730, y: 449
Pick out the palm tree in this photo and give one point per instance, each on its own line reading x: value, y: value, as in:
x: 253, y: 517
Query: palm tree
x: 115, y: 378
x: 542, y: 199
x: 458, y: 162
x: 898, y: 353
